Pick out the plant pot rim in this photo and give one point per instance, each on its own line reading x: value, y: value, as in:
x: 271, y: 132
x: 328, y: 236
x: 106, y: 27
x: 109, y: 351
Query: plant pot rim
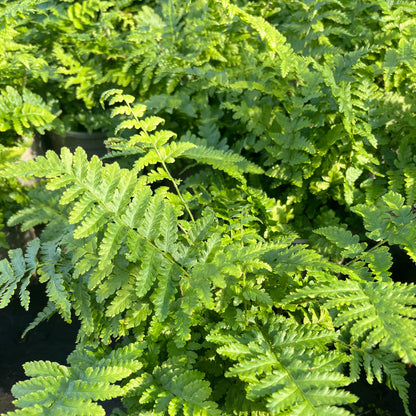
x: 81, y: 134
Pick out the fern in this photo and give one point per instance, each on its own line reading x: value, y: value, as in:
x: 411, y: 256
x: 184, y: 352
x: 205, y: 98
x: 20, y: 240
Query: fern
x: 90, y: 377
x: 157, y: 149
x: 390, y: 220
x: 282, y: 367
x: 11, y: 189
x: 23, y: 112
x: 132, y: 267
x: 379, y: 365
x: 373, y: 321
x: 13, y: 272
x: 171, y: 389
x: 278, y: 118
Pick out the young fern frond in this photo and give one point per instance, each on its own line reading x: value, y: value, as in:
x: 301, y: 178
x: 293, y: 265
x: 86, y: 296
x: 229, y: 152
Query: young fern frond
x: 158, y: 148
x: 147, y: 125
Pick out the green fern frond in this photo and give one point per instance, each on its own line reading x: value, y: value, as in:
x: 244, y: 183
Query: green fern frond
x: 82, y: 304
x: 390, y: 220
x: 164, y: 294
x: 378, y: 365
x: 44, y: 209
x: 18, y: 271
x: 23, y: 113
x: 89, y: 377
x: 156, y: 148
x: 51, y: 273
x: 48, y: 311
x: 227, y: 161
x: 372, y: 313
x: 344, y: 240
x: 283, y: 366
x: 275, y: 40
x: 172, y: 389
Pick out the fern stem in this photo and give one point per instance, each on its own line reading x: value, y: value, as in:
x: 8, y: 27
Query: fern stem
x: 164, y: 166
x: 176, y: 186
x: 380, y: 243
x: 290, y: 376
x: 118, y: 219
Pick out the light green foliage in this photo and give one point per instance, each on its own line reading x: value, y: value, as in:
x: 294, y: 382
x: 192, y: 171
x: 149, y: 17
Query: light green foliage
x: 319, y: 93
x: 23, y: 113
x: 390, y: 220
x: 287, y: 367
x: 90, y: 377
x: 9, y: 189
x: 278, y: 118
x: 157, y: 147
x: 201, y: 272
x: 372, y: 320
x: 302, y: 85
x: 21, y: 110
x: 172, y: 388
x: 367, y: 320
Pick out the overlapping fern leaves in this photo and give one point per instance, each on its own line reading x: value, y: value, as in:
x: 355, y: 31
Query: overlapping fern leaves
x: 134, y: 261
x: 75, y: 389
x: 287, y: 367
x: 238, y: 319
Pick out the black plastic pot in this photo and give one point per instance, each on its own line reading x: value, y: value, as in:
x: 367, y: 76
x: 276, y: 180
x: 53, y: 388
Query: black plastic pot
x: 92, y: 143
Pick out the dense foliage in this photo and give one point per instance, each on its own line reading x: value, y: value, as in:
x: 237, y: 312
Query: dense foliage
x: 236, y: 262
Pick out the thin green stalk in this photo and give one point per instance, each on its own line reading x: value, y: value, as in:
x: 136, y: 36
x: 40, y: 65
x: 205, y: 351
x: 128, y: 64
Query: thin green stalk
x: 165, y: 167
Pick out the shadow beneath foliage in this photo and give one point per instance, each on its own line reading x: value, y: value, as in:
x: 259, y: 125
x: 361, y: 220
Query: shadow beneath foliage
x: 52, y: 340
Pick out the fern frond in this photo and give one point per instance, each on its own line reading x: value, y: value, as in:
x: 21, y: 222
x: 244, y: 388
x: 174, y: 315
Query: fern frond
x: 172, y: 388
x: 18, y: 271
x: 89, y: 378
x: 227, y: 161
x: 110, y: 244
x: 379, y: 364
x: 390, y: 220
x: 344, y: 240
x: 116, y: 96
x: 52, y: 274
x: 48, y: 311
x: 157, y: 148
x: 151, y: 261
x: 23, y: 113
x: 283, y: 366
x: 167, y: 288
x: 83, y: 306
x: 375, y: 313
x: 275, y: 40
